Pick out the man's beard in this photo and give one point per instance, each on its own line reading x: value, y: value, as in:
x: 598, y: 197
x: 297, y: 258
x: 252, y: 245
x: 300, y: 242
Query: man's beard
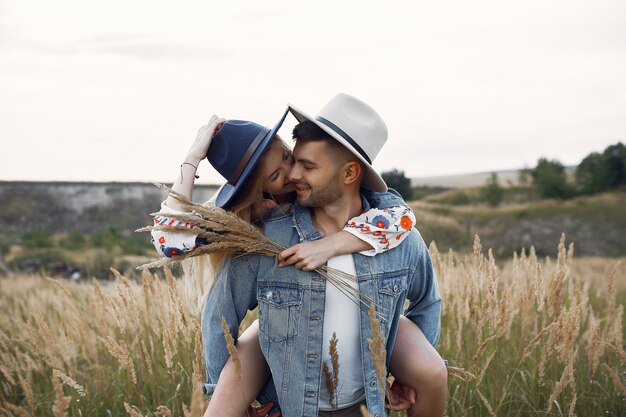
x: 322, y: 196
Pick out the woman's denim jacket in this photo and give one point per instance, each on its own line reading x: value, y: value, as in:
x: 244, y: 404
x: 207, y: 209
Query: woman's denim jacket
x: 291, y: 310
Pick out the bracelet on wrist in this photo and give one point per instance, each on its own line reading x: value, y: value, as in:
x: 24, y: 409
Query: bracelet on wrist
x: 181, y: 170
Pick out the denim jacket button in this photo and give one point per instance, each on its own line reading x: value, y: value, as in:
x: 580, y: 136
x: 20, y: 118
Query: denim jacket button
x: 316, y: 318
x: 373, y: 384
x: 395, y: 287
x: 313, y: 355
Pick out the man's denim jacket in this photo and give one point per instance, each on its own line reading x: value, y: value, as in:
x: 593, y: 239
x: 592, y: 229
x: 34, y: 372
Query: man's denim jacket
x: 291, y: 310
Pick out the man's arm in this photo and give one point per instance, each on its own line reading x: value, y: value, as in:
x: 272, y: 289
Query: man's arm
x: 233, y: 293
x: 424, y: 307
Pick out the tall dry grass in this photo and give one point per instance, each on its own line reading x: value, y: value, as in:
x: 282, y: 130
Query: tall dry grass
x: 533, y: 333
x: 101, y: 349
x: 526, y: 336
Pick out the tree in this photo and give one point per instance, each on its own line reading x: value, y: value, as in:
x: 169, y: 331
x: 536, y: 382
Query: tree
x: 590, y: 174
x: 492, y: 192
x: 601, y: 172
x: 614, y: 157
x: 397, y: 180
x: 550, y: 180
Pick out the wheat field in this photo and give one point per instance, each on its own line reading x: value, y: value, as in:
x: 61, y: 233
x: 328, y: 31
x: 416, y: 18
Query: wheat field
x: 523, y: 337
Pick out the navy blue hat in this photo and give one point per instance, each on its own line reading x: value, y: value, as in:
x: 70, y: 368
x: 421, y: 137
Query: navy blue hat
x: 235, y: 151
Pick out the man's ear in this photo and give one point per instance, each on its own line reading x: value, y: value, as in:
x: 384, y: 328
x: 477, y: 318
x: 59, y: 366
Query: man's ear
x: 352, y: 172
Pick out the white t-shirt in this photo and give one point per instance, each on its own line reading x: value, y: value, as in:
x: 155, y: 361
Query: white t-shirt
x: 341, y: 315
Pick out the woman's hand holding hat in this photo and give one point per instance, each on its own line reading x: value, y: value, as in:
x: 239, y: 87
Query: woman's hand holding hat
x: 188, y: 169
x: 200, y: 145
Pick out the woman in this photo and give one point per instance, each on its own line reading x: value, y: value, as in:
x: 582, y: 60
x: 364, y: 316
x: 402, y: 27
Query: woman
x: 256, y: 164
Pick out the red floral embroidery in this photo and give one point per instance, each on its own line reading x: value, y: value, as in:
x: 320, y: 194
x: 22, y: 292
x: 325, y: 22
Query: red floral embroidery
x: 162, y: 240
x: 406, y: 223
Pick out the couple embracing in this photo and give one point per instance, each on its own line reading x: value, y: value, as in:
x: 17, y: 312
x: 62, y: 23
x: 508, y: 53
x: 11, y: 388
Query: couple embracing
x: 309, y: 353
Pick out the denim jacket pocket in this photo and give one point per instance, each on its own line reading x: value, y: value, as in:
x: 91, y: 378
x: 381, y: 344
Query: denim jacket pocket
x: 279, y: 311
x: 390, y: 289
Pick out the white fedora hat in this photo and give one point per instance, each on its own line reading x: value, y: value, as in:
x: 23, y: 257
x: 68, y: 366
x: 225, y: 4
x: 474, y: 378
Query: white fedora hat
x: 356, y: 126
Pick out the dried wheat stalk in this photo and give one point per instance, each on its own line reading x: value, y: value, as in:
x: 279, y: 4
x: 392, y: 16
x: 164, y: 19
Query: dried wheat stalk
x: 460, y: 373
x: 61, y: 402
x: 234, y: 356
x: 120, y: 352
x: 232, y: 350
x: 379, y: 353
x: 21, y: 411
x: 131, y: 411
x: 332, y: 377
x: 163, y: 411
x: 486, y: 403
x: 69, y: 381
x: 615, y: 377
x: 330, y: 386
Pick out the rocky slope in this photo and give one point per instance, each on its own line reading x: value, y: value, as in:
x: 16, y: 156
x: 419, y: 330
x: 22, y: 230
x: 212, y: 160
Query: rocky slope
x: 75, y: 206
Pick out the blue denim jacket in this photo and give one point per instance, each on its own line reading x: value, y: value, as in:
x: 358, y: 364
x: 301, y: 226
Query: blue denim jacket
x: 291, y: 310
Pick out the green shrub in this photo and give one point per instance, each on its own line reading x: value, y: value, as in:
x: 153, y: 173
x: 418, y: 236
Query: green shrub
x: 492, y: 192
x: 106, y: 239
x: 73, y: 241
x: 456, y: 198
x: 550, y: 180
x: 40, y: 238
x: 425, y: 191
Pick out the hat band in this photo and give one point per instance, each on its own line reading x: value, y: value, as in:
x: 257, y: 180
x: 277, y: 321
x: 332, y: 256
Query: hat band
x: 246, y: 157
x: 344, y: 135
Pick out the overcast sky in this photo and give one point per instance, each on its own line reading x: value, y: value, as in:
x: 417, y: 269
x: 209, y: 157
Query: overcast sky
x: 116, y: 90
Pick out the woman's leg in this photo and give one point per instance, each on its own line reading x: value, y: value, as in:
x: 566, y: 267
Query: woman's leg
x: 232, y: 396
x: 416, y: 364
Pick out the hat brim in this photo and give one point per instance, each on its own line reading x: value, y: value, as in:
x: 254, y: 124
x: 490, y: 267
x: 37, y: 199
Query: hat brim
x: 371, y: 180
x: 227, y: 192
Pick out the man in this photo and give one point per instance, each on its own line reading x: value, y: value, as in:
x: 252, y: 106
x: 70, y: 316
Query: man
x: 298, y: 310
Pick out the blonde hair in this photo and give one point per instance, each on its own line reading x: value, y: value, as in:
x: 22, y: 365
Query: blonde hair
x: 200, y: 271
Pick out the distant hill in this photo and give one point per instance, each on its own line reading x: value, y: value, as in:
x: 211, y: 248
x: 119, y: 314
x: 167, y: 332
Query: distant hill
x: 80, y: 206
x: 596, y: 224
x: 474, y: 179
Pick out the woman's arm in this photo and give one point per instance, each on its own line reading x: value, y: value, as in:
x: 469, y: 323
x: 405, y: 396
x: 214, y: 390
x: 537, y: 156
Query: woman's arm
x: 382, y: 229
x: 197, y: 152
x: 375, y: 231
x: 171, y: 243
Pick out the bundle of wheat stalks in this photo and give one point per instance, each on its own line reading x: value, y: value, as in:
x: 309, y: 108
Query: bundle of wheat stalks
x: 226, y: 233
